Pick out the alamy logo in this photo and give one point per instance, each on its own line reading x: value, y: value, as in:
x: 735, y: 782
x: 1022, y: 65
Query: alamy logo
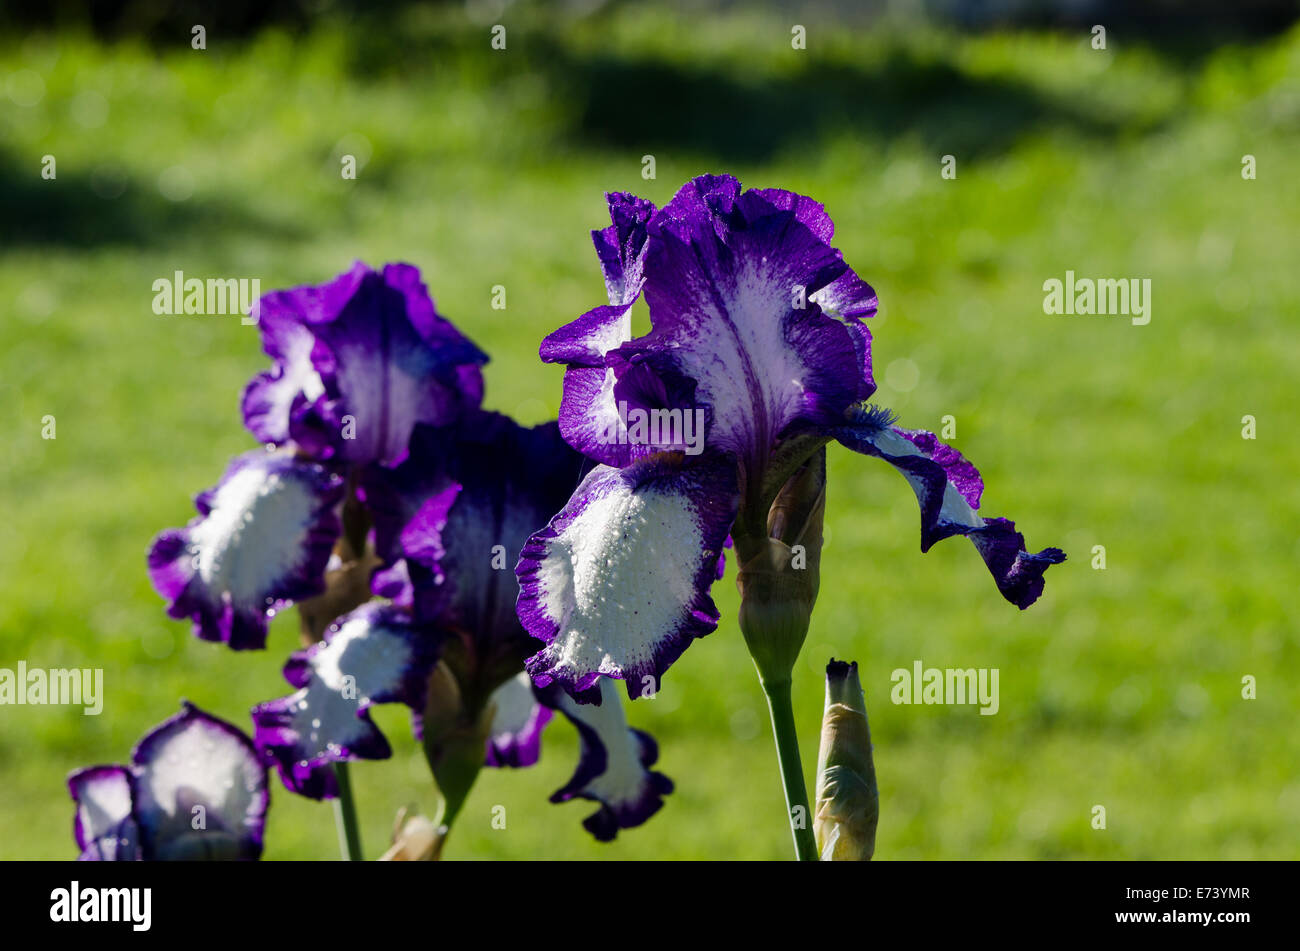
x: 662, y: 428
x: 56, y: 687
x: 213, y: 297
x: 947, y: 685
x: 1104, y: 296
x: 134, y: 905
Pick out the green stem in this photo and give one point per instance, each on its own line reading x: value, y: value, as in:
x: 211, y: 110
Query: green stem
x: 345, y: 816
x: 787, y: 754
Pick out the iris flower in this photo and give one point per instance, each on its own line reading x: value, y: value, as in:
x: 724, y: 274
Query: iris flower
x: 358, y: 362
x: 757, y: 322
x: 195, y: 789
x: 382, y: 477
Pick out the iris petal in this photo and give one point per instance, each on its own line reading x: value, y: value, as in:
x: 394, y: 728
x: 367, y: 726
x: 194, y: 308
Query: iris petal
x: 105, y: 828
x: 515, y: 739
x: 588, y: 407
x: 196, y: 789
x: 262, y: 539
x: 373, y: 655
x: 618, y: 583
x: 271, y: 399
x: 948, y: 489
x: 621, y: 249
x: 614, y: 764
x: 459, y: 510
x: 200, y: 790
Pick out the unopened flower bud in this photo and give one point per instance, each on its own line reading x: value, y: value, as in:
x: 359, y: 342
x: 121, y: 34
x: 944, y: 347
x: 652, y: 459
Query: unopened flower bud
x: 454, y: 738
x: 847, y: 806
x: 415, y: 839
x: 780, y: 572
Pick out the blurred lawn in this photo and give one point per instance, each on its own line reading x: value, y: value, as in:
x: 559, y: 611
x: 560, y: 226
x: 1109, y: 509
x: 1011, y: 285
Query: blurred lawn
x: 1121, y: 688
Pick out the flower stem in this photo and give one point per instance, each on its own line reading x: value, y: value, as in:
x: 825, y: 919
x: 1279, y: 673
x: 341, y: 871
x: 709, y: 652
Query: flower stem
x: 345, y: 816
x: 787, y: 754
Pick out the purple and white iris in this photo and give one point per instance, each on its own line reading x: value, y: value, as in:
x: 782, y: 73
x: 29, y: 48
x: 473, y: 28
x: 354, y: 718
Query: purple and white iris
x: 196, y: 789
x: 756, y: 320
x: 358, y: 363
x: 379, y: 456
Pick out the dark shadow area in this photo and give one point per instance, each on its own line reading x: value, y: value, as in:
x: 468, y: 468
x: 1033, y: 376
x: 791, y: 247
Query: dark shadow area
x: 647, y: 105
x: 729, y: 112
x: 1145, y: 20
x: 107, y: 208
x: 724, y: 113
x: 1148, y: 21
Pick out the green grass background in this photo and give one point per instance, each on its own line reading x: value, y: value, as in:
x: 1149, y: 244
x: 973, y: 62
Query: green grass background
x: 1122, y: 687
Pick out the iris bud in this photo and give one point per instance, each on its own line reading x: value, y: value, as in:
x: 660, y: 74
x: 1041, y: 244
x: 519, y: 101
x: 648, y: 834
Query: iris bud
x: 847, y: 805
x: 780, y: 573
x: 455, y: 739
x: 415, y: 839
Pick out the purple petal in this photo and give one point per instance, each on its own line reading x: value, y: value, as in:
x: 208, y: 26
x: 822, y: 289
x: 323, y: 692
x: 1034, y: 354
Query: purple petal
x: 358, y: 362
x: 200, y: 790
x: 961, y: 474
x: 848, y: 297
x: 517, y: 724
x: 721, y: 271
x: 600, y: 407
x: 262, y: 540
x: 618, y: 583
x: 721, y: 275
x: 393, y: 583
x: 589, y: 413
x: 271, y: 398
x: 621, y: 249
x: 613, y: 766
x: 106, y: 830
x: 862, y: 349
x: 948, y: 488
x: 722, y: 559
x: 373, y: 655
x: 621, y: 246
x: 588, y: 408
